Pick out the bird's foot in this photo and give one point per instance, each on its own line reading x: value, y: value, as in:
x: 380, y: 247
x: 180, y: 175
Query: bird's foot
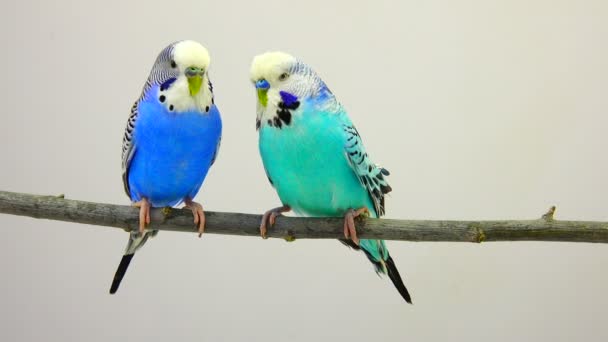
x: 199, y: 215
x: 350, y: 232
x: 144, y: 214
x: 270, y: 217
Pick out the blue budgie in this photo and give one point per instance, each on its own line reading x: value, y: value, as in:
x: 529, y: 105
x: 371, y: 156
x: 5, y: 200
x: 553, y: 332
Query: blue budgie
x: 314, y: 156
x: 171, y: 140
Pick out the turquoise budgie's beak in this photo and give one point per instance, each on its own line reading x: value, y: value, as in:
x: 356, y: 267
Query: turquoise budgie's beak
x: 195, y: 79
x: 262, y: 87
x: 262, y: 84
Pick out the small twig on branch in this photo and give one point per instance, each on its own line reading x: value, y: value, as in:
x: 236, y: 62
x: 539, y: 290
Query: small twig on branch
x: 548, y: 216
x: 289, y: 228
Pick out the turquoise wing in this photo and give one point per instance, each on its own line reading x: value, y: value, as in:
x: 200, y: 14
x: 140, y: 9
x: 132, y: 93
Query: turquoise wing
x: 371, y: 176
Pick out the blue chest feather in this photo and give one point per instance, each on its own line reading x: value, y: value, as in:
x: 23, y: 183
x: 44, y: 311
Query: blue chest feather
x: 307, y: 164
x: 173, y: 152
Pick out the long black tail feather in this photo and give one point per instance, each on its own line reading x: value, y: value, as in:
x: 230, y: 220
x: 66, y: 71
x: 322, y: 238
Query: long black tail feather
x: 391, y: 269
x: 120, y: 272
x: 393, y: 274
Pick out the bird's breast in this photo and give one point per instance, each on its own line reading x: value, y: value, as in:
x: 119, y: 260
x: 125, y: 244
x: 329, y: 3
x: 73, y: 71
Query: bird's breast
x: 308, y: 168
x: 173, y: 152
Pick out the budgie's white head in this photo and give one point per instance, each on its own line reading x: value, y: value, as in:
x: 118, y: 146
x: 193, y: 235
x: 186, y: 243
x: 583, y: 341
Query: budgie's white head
x: 282, y: 82
x: 179, y: 79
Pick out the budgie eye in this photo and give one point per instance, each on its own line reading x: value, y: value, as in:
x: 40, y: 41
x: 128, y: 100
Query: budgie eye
x: 173, y: 64
x: 283, y: 76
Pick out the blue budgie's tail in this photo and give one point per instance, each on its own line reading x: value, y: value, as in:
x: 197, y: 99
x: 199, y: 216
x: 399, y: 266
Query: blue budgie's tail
x: 377, y: 253
x: 135, y: 242
x: 120, y: 272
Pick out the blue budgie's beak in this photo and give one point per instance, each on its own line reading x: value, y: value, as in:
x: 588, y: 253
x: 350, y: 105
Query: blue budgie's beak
x: 262, y: 87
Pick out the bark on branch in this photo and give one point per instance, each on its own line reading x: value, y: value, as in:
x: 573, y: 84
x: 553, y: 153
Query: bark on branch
x: 289, y: 228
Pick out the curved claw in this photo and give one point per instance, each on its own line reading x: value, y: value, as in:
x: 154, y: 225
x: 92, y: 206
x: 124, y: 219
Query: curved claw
x: 271, y: 217
x: 350, y: 231
x: 144, y: 214
x: 199, y: 215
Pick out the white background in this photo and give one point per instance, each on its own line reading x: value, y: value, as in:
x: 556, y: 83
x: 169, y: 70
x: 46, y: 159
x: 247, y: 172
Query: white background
x: 480, y: 110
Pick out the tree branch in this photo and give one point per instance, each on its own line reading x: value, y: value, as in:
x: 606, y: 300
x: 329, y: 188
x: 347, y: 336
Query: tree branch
x: 289, y: 228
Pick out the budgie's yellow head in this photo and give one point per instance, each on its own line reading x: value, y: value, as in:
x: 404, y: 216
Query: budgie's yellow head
x: 269, y: 70
x: 179, y: 78
x: 282, y: 83
x: 188, y: 53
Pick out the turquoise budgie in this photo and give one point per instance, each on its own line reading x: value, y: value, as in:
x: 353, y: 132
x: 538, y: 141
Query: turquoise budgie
x: 171, y: 140
x: 314, y: 156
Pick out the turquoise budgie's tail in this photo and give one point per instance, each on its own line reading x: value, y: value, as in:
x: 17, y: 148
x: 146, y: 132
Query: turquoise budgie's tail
x: 393, y: 274
x: 378, y: 255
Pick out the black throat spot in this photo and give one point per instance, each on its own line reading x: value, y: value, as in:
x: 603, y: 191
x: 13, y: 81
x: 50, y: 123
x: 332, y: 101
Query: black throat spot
x: 284, y: 115
x: 277, y: 122
x: 284, y: 111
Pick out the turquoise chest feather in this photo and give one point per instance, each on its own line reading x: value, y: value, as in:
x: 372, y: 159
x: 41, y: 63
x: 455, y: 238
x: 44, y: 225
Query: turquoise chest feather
x: 307, y: 165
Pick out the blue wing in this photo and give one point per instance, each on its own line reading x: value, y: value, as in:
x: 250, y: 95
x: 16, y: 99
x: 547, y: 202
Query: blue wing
x: 128, y: 147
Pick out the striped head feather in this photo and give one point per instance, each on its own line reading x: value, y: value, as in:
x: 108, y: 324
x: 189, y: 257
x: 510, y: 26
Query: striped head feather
x: 282, y: 80
x: 179, y: 78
